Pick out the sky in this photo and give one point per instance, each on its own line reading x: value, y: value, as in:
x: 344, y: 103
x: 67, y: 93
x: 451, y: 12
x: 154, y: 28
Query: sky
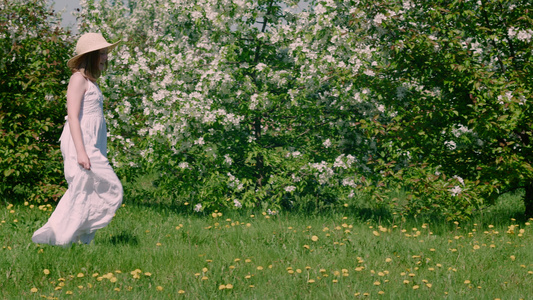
x: 69, y: 6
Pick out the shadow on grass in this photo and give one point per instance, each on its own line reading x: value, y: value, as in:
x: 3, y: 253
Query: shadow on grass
x: 123, y: 238
x: 508, y: 206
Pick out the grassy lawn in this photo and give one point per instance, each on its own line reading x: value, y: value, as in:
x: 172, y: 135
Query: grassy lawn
x: 159, y: 253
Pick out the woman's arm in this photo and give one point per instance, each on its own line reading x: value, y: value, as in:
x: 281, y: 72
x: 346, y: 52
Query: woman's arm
x: 76, y: 89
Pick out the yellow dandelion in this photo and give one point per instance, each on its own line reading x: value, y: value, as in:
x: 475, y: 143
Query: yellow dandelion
x: 158, y: 244
x: 314, y: 238
x: 476, y: 247
x: 415, y: 287
x: 68, y: 292
x: 34, y: 290
x: 306, y: 246
x: 375, y: 233
x: 377, y: 283
x: 381, y: 292
x: 467, y: 281
x: 322, y: 271
x: 429, y: 285
x: 147, y: 274
x: 204, y: 270
x: 205, y: 278
x: 512, y: 257
x: 229, y: 286
x: 388, y: 259
x: 298, y: 271
x: 80, y: 275
x: 222, y: 286
x: 181, y: 292
x: 113, y: 279
x: 46, y: 271
x: 260, y: 268
x: 311, y: 281
x: 357, y: 294
x: 247, y: 260
x: 406, y: 281
x: 159, y: 288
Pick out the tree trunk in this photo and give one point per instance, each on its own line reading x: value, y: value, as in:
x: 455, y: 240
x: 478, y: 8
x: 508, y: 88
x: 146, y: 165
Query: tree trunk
x: 528, y: 200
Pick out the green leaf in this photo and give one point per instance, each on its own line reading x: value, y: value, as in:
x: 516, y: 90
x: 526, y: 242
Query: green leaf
x: 8, y: 172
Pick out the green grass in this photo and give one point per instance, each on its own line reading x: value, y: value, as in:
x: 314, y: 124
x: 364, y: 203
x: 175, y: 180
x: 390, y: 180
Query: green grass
x: 181, y: 255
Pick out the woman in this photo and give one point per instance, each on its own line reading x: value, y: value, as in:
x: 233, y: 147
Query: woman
x: 94, y: 191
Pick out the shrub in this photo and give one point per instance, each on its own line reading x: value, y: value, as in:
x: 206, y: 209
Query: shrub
x: 33, y: 54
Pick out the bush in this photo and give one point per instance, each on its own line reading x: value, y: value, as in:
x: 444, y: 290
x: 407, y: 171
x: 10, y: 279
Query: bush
x: 33, y: 54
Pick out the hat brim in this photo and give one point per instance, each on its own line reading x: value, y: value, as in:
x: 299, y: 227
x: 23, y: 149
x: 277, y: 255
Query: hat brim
x: 72, y: 63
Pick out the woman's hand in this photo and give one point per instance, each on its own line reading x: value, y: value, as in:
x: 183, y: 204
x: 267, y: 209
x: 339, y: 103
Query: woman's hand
x: 83, y: 161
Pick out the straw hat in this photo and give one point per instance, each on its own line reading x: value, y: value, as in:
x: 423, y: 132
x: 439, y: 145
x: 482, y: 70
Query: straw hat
x: 89, y: 42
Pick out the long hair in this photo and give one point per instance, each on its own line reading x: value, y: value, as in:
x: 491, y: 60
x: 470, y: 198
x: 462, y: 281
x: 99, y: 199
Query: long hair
x: 87, y: 64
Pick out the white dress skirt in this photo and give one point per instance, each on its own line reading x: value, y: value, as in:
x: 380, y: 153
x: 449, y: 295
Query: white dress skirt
x: 94, y: 195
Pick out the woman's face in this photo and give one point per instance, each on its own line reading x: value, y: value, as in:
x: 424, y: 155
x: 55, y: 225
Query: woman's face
x: 103, y: 59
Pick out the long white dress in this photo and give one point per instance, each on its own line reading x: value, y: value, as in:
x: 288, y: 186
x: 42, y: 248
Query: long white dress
x: 94, y: 195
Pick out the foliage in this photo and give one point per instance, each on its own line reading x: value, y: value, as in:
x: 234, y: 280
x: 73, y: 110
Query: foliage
x: 262, y: 103
x: 33, y: 52
x: 457, y: 75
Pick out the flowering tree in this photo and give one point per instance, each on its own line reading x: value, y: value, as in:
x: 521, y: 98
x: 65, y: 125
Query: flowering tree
x: 234, y: 100
x: 253, y: 103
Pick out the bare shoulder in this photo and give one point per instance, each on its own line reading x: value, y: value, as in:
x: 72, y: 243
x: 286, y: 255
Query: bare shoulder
x: 78, y: 82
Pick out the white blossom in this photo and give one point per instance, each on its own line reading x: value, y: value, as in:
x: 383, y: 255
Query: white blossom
x: 378, y: 19
x: 237, y: 203
x: 456, y: 190
x: 183, y: 165
x: 290, y: 188
x: 327, y: 143
x: 450, y: 145
x: 198, y: 207
x: 199, y: 141
x: 227, y: 159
